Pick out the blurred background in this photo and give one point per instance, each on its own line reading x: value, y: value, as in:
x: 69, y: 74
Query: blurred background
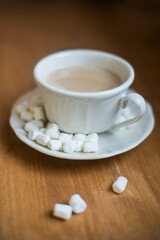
x: 31, y: 29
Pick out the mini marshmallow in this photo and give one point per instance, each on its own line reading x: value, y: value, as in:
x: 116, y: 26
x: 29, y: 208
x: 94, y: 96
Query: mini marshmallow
x: 54, y: 125
x: 120, y: 184
x: 55, y: 145
x: 43, y: 139
x: 78, y: 146
x: 77, y: 203
x: 56, y: 136
x: 38, y: 123
x: 30, y: 126
x: 52, y: 130
x: 32, y: 135
x: 65, y: 137
x: 92, y: 137
x: 38, y: 113
x: 31, y: 107
x: 42, y: 130
x: 79, y: 136
x: 26, y: 116
x: 22, y: 107
x: 62, y: 211
x: 69, y: 147
x: 90, y: 147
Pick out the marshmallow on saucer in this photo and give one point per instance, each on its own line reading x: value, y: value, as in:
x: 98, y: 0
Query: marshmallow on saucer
x: 42, y: 130
x: 55, y: 145
x: 32, y: 135
x: 65, y: 137
x: 33, y: 125
x: 78, y: 146
x: 22, y: 107
x: 38, y: 123
x: 30, y: 126
x: 79, y: 137
x: 26, y: 115
x: 92, y: 137
x: 52, y: 130
x: 38, y: 113
x: 69, y: 147
x: 89, y: 147
x: 43, y: 139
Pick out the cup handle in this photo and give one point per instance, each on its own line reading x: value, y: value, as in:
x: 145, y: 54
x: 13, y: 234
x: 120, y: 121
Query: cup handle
x: 122, y: 103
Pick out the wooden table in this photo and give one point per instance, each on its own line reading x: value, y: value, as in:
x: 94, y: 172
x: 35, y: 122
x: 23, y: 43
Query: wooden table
x: 31, y: 182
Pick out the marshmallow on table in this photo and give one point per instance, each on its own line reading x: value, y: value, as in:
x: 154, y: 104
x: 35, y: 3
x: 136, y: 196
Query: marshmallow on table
x: 65, y: 137
x: 79, y: 136
x: 30, y: 126
x: 78, y: 146
x: 77, y: 203
x: 21, y: 107
x: 62, y: 211
x: 38, y: 113
x: 26, y: 115
x: 120, y: 184
x: 43, y: 139
x: 32, y: 135
x: 52, y: 130
x: 69, y: 147
x: 55, y: 145
x: 89, y: 147
x: 92, y: 137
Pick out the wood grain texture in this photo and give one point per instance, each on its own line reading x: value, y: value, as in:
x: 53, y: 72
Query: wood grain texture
x: 30, y: 182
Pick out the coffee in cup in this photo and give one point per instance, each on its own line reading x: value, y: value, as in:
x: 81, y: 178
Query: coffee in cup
x: 83, y: 79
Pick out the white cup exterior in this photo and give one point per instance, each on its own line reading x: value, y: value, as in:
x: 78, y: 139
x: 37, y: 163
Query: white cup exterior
x: 82, y: 111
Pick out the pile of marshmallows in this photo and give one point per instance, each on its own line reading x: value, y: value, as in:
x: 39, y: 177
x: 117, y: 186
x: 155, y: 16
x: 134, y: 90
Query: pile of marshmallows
x: 49, y: 135
x: 78, y: 205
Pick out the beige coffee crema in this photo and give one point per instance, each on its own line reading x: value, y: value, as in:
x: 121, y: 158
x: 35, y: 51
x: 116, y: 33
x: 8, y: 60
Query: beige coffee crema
x: 83, y: 79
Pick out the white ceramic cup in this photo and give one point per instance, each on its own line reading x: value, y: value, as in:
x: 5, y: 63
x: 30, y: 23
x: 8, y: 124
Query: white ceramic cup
x: 87, y: 112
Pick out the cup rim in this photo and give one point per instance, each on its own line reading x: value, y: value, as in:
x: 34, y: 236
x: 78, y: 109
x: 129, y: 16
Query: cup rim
x: 98, y: 94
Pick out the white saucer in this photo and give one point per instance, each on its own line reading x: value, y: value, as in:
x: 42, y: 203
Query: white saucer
x: 110, y: 144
